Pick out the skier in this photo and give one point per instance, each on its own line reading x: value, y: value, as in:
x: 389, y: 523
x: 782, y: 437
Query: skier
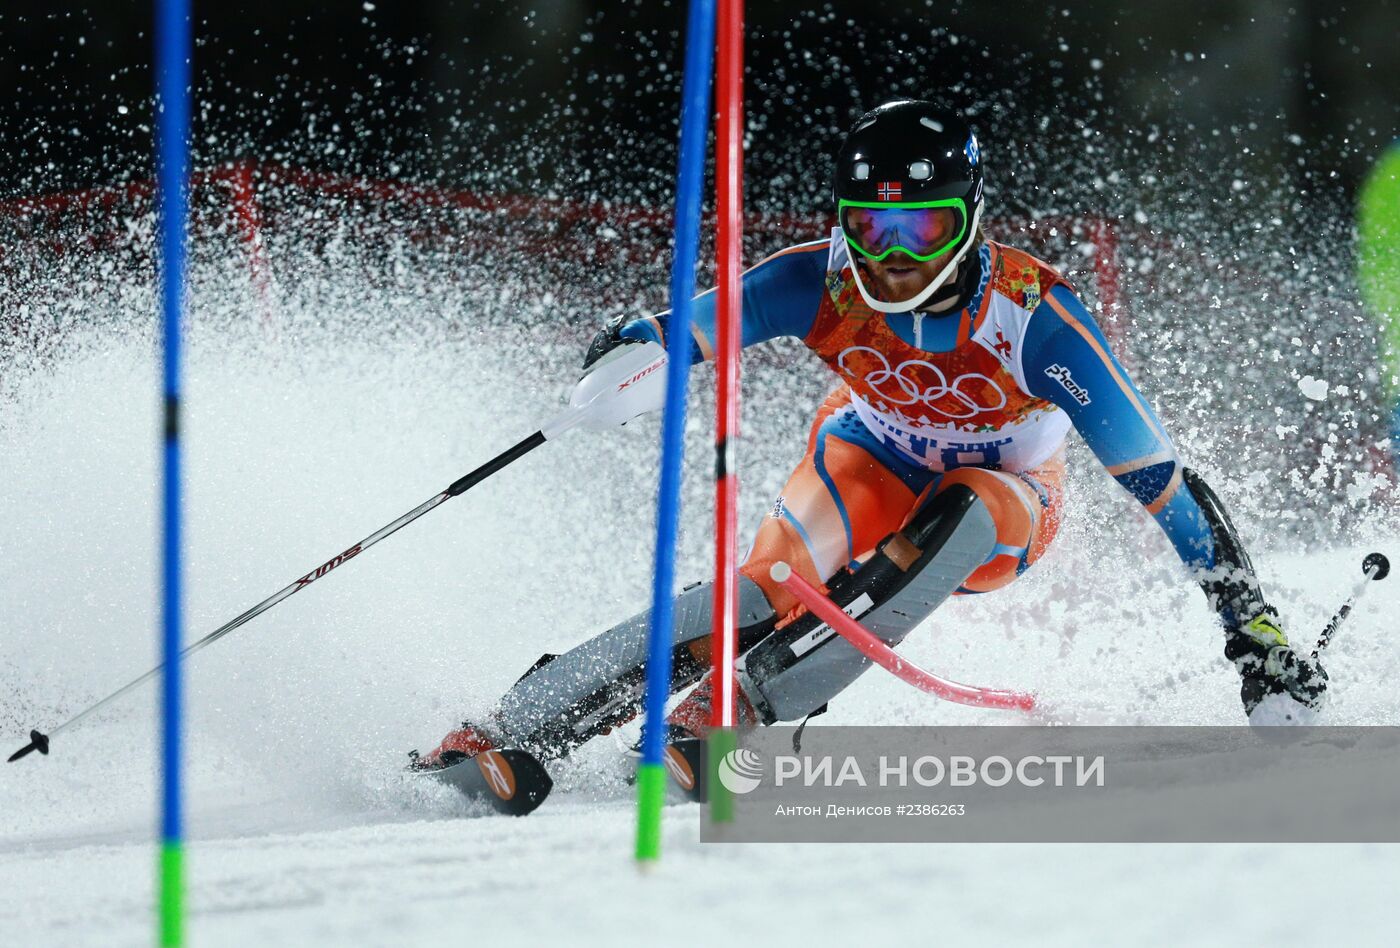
x: 935, y: 468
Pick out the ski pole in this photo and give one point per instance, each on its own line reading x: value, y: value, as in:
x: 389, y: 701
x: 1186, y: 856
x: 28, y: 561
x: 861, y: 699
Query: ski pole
x: 1374, y: 567
x: 40, y: 741
x: 617, y: 390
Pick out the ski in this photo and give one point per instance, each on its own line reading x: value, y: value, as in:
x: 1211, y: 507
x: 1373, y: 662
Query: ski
x: 684, y: 761
x: 685, y: 766
x: 511, y: 781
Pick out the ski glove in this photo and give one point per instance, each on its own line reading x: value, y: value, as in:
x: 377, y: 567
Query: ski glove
x: 1268, y: 665
x: 606, y: 340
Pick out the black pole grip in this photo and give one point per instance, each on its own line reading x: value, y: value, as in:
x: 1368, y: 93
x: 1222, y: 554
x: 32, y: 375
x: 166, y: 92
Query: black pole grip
x: 468, y: 481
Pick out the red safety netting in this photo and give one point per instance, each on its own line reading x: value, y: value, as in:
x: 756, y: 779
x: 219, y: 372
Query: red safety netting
x: 257, y: 210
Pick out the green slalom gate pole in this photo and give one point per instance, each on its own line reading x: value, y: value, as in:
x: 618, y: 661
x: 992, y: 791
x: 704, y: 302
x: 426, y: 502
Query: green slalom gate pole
x: 695, y: 110
x: 172, y: 59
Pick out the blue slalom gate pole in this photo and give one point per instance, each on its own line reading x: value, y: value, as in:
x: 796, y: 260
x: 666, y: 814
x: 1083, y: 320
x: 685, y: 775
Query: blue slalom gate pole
x: 695, y: 118
x: 173, y: 46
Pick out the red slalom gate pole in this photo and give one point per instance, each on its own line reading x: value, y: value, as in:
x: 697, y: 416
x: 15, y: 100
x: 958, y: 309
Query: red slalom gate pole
x: 870, y: 645
x: 729, y: 184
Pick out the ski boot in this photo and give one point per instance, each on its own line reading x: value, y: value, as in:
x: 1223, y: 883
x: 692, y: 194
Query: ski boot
x: 691, y: 718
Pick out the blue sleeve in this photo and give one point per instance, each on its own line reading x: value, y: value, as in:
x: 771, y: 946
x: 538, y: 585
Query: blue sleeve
x: 1067, y: 361
x: 780, y: 298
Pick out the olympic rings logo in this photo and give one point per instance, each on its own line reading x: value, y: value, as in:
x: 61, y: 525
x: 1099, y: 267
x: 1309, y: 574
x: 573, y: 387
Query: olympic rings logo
x: 901, y: 389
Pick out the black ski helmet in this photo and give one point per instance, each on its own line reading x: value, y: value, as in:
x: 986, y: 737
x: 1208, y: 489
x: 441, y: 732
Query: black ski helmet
x: 910, y: 154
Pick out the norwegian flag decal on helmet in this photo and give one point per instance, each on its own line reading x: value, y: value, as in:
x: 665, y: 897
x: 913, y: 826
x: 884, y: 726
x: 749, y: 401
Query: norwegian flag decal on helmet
x: 889, y: 190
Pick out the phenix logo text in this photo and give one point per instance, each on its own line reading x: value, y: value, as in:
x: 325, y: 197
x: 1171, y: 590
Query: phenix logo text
x: 954, y: 771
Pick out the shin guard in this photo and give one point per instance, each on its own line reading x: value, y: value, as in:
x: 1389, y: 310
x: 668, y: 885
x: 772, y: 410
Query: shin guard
x: 567, y: 699
x: 798, y: 669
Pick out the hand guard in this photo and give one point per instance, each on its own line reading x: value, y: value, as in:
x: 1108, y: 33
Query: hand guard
x: 624, y: 382
x: 1269, y: 666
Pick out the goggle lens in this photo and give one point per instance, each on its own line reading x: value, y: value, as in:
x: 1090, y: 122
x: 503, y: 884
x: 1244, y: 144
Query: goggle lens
x: 921, y: 232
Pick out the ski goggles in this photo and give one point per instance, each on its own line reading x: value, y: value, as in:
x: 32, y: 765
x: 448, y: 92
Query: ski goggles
x: 922, y: 229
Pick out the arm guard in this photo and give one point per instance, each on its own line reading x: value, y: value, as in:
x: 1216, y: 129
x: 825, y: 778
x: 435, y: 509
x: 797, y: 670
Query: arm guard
x: 1254, y: 640
x: 1231, y: 585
